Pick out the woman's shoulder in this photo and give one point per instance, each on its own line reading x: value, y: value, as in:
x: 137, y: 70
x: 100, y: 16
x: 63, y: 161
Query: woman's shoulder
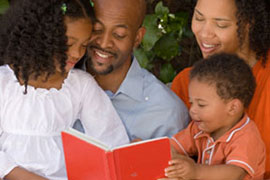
x: 181, y: 81
x: 183, y: 74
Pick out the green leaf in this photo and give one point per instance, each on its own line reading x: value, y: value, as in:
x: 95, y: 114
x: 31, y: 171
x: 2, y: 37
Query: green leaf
x: 161, y: 10
x: 152, y: 34
x: 167, y: 47
x: 142, y: 58
x: 3, y: 6
x: 167, y: 73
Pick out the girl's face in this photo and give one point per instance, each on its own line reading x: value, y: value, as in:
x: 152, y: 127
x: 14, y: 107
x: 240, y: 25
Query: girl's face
x: 214, y: 24
x: 78, y: 34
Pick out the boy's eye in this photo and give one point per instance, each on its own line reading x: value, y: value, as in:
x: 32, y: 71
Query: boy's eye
x: 201, y: 105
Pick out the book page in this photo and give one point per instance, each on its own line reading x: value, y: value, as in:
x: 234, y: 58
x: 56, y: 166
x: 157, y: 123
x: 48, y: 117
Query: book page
x: 139, y: 142
x: 88, y: 139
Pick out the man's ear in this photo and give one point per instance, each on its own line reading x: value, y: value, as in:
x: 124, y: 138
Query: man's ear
x: 139, y: 36
x: 234, y: 106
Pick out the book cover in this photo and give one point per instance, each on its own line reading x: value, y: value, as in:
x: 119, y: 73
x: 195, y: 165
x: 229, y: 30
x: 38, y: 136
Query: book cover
x: 89, y: 159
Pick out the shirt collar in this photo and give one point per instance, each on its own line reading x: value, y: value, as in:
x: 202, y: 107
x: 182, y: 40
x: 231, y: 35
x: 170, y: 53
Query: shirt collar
x: 132, y: 85
x: 228, y: 135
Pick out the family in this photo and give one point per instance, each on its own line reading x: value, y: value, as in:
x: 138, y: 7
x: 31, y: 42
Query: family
x: 215, y: 113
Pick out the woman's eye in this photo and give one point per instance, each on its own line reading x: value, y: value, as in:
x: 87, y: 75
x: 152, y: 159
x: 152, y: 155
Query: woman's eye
x: 222, y: 26
x: 198, y: 18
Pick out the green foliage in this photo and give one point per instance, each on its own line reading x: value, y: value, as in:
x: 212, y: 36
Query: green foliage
x: 3, y: 6
x: 164, y: 32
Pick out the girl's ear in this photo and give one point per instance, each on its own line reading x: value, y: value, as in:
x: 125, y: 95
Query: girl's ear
x: 234, y: 106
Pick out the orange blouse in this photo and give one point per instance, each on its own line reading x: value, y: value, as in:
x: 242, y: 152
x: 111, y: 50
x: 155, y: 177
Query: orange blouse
x: 259, y: 108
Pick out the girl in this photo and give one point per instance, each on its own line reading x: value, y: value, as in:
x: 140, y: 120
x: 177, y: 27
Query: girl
x: 40, y: 94
x: 241, y: 27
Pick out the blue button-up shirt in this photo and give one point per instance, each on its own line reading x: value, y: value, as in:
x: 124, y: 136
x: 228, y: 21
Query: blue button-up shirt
x: 147, y: 107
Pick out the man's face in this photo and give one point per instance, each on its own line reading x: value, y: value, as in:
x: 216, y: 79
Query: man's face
x: 115, y: 33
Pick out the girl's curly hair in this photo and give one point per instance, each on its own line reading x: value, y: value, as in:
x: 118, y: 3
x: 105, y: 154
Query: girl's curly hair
x: 255, y: 14
x: 33, y: 35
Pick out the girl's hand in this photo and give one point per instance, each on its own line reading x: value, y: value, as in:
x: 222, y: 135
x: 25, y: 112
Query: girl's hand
x: 181, y: 168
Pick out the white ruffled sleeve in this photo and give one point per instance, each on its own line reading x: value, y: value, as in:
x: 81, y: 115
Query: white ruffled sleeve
x: 99, y: 118
x: 6, y: 164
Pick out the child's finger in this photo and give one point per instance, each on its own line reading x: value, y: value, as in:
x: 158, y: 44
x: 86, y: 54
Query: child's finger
x: 175, y: 161
x: 173, y: 168
x: 174, y: 174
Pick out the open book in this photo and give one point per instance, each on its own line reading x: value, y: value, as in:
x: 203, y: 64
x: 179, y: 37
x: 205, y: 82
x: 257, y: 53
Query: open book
x: 89, y: 159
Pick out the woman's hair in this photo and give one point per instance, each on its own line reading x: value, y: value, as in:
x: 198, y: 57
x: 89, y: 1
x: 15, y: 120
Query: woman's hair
x: 229, y: 74
x: 254, y: 13
x: 33, y: 35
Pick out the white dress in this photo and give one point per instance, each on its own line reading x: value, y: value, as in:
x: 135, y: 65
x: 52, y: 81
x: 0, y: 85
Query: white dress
x: 30, y: 125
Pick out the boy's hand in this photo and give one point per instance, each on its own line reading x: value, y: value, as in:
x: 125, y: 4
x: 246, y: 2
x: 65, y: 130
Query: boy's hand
x: 181, y: 168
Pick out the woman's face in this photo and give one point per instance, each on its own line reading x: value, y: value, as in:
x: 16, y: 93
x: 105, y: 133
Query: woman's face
x: 214, y: 24
x: 78, y: 34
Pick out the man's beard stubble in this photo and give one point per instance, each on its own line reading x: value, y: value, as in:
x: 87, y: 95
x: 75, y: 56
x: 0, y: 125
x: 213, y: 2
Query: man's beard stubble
x: 90, y: 65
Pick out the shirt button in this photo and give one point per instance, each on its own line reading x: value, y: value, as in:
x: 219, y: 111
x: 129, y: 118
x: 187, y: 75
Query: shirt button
x: 206, y: 161
x: 146, y: 98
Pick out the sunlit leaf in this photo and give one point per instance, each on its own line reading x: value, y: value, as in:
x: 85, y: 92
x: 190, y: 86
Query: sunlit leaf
x: 152, y: 34
x: 160, y: 10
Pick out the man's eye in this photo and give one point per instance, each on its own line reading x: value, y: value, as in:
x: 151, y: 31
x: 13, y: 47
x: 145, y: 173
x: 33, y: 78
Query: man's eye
x: 119, y: 36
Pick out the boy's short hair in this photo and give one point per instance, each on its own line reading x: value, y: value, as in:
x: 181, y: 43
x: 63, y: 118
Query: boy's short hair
x: 230, y: 74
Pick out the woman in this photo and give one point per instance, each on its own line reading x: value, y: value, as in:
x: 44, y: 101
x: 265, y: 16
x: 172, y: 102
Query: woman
x: 241, y: 27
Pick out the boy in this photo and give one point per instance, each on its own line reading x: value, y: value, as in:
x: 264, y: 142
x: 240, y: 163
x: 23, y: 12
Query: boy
x: 227, y: 143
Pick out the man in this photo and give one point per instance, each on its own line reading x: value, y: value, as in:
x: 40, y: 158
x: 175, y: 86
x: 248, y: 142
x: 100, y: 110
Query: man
x: 146, y: 106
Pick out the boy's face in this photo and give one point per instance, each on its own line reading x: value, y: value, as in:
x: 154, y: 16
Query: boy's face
x: 208, y: 110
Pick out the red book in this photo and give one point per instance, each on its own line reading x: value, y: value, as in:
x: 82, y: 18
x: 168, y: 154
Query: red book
x: 88, y: 159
